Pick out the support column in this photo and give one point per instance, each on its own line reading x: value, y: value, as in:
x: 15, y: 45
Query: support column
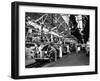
x: 60, y: 52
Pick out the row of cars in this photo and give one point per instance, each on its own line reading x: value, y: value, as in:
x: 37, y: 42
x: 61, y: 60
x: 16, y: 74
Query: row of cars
x: 51, y: 50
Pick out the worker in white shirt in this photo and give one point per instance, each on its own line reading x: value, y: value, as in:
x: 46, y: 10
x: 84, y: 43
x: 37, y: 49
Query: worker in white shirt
x: 68, y: 50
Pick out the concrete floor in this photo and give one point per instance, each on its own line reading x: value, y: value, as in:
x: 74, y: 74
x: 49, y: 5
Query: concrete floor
x: 73, y: 59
